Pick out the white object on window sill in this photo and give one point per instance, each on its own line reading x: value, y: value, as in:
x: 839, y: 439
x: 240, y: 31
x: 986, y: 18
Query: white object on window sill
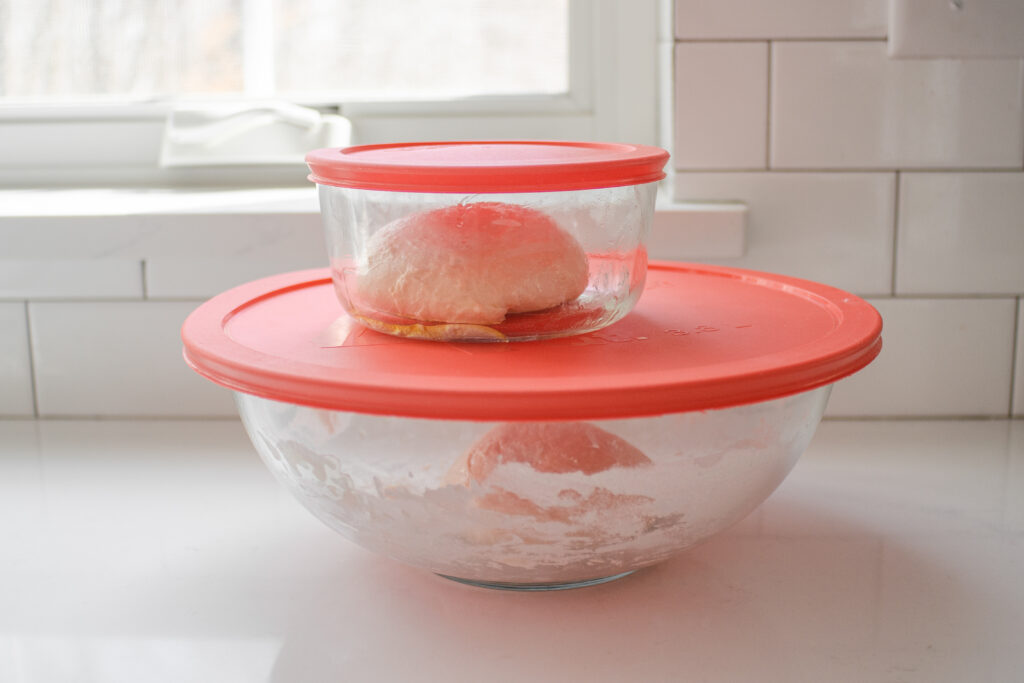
x: 267, y: 133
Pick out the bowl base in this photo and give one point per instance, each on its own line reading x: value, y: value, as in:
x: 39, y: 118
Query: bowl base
x: 529, y: 587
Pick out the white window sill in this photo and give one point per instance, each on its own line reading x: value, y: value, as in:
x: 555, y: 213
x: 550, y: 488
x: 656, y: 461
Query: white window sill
x: 178, y: 244
x: 127, y: 202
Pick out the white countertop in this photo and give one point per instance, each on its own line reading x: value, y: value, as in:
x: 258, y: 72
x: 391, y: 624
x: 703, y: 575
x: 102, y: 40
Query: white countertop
x: 164, y: 551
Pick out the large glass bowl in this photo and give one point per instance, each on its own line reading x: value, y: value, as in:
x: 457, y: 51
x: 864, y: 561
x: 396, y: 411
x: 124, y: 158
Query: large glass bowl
x: 532, y: 505
x: 547, y: 464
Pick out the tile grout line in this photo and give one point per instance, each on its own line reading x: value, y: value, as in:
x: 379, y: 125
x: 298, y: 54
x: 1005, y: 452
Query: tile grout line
x: 784, y: 39
x: 1013, y: 357
x: 895, y: 230
x: 938, y: 296
x: 768, y: 113
x: 32, y: 362
x: 109, y: 300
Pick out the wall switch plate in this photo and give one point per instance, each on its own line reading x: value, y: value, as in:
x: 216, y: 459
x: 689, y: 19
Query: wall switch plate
x: 956, y: 28
x: 695, y: 230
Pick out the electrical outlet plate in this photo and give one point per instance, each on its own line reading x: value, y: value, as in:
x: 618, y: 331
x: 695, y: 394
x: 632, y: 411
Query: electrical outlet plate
x: 956, y: 28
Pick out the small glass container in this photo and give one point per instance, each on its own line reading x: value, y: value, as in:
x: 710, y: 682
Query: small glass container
x: 487, y: 241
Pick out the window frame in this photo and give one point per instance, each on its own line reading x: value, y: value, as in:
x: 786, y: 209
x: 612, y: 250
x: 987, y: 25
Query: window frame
x: 613, y: 96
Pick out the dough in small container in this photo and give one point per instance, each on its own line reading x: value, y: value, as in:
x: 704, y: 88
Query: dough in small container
x: 471, y: 263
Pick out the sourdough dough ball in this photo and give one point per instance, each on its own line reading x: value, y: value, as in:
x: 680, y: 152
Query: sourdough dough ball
x: 471, y: 263
x: 555, y: 448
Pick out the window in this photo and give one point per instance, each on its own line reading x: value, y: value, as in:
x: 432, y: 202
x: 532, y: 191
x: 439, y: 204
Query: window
x: 86, y: 86
x: 307, y: 50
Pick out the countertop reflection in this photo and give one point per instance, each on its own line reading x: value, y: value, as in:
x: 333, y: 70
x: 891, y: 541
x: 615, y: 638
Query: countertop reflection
x: 163, y: 551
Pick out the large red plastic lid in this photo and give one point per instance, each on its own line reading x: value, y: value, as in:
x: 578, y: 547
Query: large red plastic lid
x: 489, y: 166
x: 700, y: 337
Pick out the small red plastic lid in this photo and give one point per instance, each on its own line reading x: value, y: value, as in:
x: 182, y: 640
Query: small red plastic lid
x: 700, y: 337
x: 487, y: 166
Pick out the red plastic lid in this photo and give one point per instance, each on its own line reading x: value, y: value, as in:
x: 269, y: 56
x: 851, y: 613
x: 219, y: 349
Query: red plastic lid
x: 491, y: 166
x: 700, y: 337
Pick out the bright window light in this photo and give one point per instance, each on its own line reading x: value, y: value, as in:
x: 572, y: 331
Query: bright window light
x: 332, y: 50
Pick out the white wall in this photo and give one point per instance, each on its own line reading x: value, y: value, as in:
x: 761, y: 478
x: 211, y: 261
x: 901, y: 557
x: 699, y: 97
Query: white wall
x: 91, y: 306
x: 899, y: 180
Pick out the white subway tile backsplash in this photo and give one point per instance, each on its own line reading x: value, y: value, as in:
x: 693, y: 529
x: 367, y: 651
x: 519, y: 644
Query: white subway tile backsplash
x: 97, y: 278
x: 118, y: 358
x: 685, y: 232
x: 961, y: 233
x: 254, y: 236
x: 15, y: 364
x: 721, y: 105
x: 940, y: 357
x: 78, y: 238
x: 175, y: 236
x: 119, y: 202
x: 711, y: 19
x: 981, y: 28
x: 835, y: 228
x: 186, y: 255
x: 203, y: 278
x: 847, y: 105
